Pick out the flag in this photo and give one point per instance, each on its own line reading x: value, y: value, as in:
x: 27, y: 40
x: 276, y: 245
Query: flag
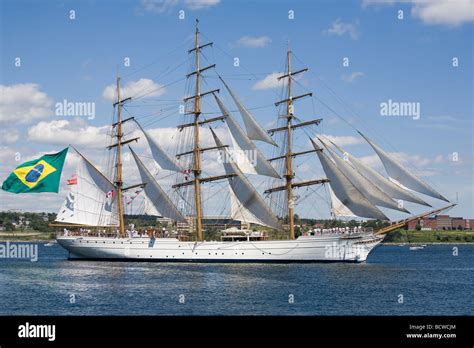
x: 72, y: 180
x: 39, y: 175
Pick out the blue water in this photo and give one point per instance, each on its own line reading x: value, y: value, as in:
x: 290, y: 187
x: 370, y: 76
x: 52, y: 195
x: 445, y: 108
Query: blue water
x: 432, y: 282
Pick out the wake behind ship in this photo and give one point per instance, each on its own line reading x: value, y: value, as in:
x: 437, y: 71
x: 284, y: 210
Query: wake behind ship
x: 96, y: 200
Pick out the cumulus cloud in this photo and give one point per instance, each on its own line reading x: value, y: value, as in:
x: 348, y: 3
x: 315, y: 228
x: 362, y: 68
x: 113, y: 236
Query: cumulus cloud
x: 23, y: 103
x: 161, y: 6
x: 353, y: 76
x: 9, y: 136
x: 270, y: 81
x: 342, y: 140
x: 64, y: 132
x: 254, y: 41
x: 200, y: 4
x: 435, y: 12
x: 339, y: 28
x: 143, y: 87
x: 423, y: 165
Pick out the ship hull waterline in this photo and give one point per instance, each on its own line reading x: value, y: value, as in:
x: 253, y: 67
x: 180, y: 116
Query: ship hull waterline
x: 303, y: 249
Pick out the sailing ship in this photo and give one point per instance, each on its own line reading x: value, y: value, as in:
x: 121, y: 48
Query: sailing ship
x: 96, y: 201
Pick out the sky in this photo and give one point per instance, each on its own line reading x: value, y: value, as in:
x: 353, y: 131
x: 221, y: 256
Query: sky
x: 360, y: 55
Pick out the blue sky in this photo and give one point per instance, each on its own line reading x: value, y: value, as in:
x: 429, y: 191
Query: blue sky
x: 407, y: 60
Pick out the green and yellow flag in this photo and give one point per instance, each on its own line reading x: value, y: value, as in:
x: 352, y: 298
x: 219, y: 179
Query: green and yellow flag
x: 39, y: 175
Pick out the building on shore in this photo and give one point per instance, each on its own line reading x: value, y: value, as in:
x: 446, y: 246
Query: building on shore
x: 442, y: 222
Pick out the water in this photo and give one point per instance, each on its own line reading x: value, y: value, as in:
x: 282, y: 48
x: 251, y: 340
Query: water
x: 432, y: 282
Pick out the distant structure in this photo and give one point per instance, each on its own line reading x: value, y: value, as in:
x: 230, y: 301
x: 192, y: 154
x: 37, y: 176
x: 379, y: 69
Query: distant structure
x: 442, y: 222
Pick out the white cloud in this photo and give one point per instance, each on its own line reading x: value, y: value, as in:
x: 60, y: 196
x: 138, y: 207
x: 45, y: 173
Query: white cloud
x: 436, y: 12
x: 353, y: 76
x: 64, y: 132
x: 421, y: 164
x: 200, y: 4
x: 448, y: 12
x: 343, y: 140
x: 270, y: 81
x: 340, y: 28
x: 23, y: 102
x: 9, y: 136
x: 142, y: 87
x: 158, y: 6
x: 254, y: 41
x: 447, y: 123
x: 161, y: 6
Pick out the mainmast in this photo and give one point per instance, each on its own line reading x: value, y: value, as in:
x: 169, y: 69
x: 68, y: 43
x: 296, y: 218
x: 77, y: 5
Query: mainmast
x: 197, y: 122
x: 289, y: 155
x: 197, y: 151
x: 118, y: 165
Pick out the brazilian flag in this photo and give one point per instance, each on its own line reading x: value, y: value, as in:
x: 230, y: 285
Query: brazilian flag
x: 39, y: 175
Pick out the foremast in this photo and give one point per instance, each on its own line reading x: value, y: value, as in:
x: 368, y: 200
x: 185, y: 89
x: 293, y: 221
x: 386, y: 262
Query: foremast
x: 118, y: 158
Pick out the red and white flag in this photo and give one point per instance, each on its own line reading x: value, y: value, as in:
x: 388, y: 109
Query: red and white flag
x: 72, y: 180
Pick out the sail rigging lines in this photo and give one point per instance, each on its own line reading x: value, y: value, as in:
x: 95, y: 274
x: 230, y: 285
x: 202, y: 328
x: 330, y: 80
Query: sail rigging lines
x: 398, y: 174
x: 159, y: 59
x: 392, y: 189
x: 347, y: 193
x: 373, y: 131
x: 91, y: 201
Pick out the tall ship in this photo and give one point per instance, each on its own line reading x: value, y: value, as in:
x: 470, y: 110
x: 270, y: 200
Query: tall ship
x: 92, y: 217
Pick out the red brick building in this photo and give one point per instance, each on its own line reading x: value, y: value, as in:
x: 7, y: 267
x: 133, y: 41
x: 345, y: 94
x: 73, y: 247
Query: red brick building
x: 442, y: 222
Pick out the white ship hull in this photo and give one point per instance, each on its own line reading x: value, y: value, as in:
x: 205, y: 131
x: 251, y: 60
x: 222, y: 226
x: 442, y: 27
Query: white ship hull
x: 330, y: 248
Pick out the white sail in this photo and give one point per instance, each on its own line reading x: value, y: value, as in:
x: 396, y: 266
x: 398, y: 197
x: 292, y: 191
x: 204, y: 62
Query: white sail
x: 399, y: 174
x: 247, y: 156
x: 156, y: 194
x: 345, y: 191
x: 254, y: 130
x: 239, y: 212
x: 92, y: 201
x: 387, y: 186
x: 245, y: 193
x: 159, y: 155
x: 149, y: 208
x: 367, y: 188
x: 338, y: 209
